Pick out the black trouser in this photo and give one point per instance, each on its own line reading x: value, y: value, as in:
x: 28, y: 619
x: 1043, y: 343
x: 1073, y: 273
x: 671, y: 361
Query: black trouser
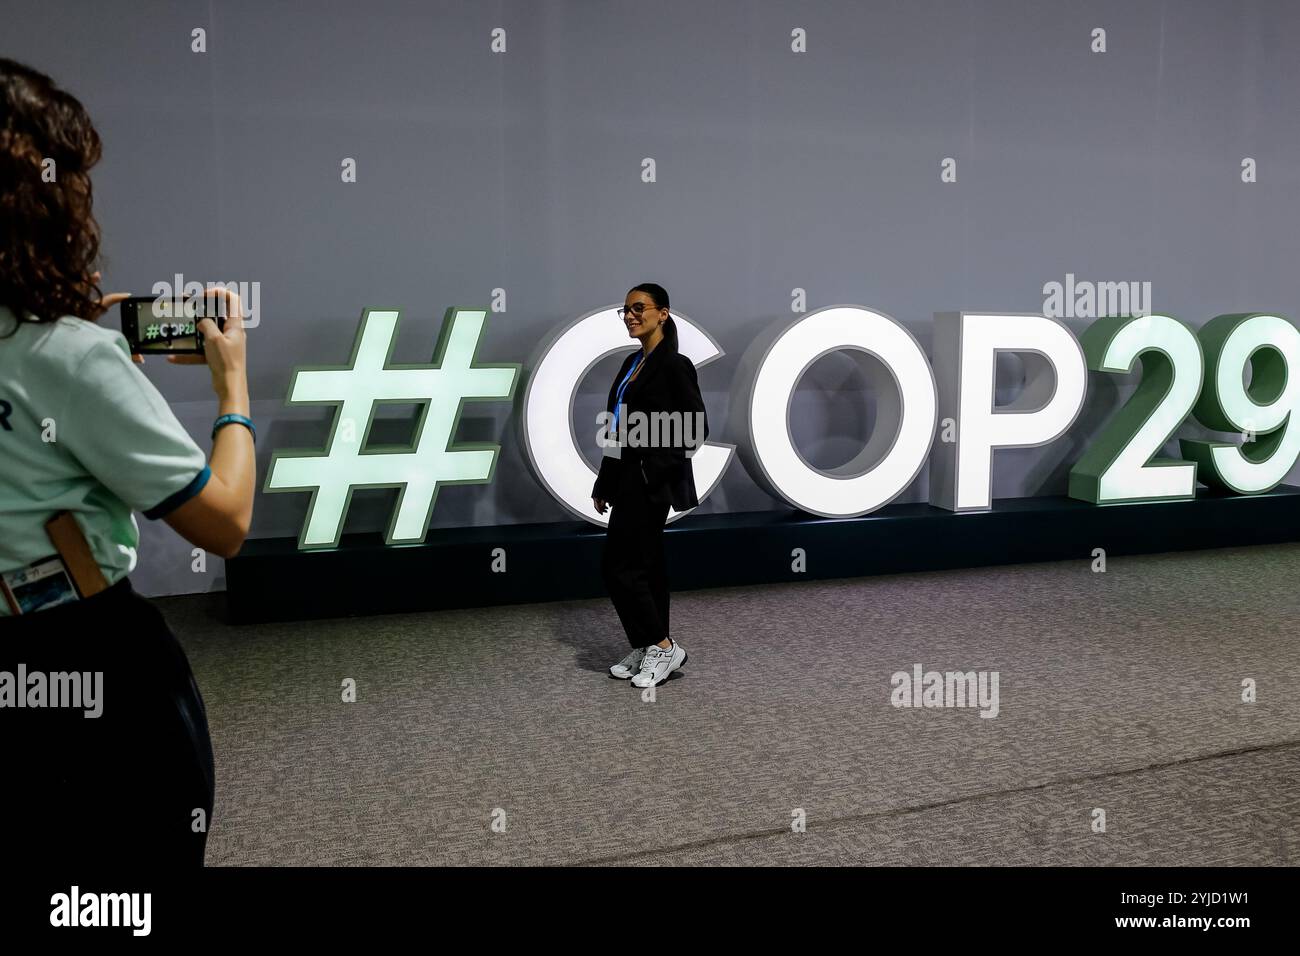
x: 633, y: 562
x: 122, y: 789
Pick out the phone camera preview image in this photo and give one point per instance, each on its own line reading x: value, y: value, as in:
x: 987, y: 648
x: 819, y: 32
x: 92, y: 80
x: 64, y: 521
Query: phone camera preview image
x: 157, y: 324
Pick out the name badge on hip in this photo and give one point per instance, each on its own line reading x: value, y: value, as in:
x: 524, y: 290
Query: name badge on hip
x: 42, y: 584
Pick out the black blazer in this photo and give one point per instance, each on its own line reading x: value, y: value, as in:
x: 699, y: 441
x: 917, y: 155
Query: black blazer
x: 666, y: 383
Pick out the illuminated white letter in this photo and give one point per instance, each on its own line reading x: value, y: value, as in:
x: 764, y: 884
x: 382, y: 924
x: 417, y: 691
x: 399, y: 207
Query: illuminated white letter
x: 905, y: 419
x: 965, y: 353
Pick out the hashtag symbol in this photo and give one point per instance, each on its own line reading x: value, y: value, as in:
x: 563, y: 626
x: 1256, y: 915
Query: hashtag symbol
x: 419, y: 470
x: 152, y: 332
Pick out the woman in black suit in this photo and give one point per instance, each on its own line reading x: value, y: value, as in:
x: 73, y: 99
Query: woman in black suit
x: 656, y: 413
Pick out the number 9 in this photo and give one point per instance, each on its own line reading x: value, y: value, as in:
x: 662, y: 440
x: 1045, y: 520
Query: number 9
x: 1263, y: 411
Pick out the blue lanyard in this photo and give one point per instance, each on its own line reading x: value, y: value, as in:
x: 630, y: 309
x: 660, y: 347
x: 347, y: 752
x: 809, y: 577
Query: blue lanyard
x: 618, y: 398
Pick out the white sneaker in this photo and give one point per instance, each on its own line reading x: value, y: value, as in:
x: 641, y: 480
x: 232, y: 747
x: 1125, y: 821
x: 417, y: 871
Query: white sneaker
x: 628, y: 665
x: 658, y: 664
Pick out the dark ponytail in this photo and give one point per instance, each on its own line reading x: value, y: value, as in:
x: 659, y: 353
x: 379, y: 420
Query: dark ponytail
x: 659, y: 295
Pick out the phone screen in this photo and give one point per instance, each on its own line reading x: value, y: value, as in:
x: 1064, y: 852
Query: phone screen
x: 159, y: 324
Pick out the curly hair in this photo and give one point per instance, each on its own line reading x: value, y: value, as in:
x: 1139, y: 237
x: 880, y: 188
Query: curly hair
x: 49, y: 240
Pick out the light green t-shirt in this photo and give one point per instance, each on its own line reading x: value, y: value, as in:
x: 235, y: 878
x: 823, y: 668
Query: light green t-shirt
x: 83, y: 430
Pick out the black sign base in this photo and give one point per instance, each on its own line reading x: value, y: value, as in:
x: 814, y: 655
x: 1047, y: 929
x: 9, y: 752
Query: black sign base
x: 272, y: 580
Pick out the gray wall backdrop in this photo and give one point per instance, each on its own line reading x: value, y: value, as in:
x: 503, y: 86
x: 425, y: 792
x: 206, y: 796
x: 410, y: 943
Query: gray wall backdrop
x: 776, y: 170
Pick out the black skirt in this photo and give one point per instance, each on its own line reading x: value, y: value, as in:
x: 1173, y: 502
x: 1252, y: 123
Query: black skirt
x: 130, y: 787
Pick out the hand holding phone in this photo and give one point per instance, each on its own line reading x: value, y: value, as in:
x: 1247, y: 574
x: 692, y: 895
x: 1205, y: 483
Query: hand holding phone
x: 203, y: 330
x: 161, y: 325
x: 224, y: 348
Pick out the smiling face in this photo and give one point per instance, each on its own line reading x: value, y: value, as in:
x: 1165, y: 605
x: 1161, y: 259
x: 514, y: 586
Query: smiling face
x: 644, y: 320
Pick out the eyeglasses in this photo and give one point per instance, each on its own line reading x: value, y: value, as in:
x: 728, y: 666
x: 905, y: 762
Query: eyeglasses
x: 638, y: 309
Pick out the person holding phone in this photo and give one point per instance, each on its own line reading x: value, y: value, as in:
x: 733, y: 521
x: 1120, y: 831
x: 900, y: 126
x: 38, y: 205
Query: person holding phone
x: 639, y: 480
x: 84, y: 433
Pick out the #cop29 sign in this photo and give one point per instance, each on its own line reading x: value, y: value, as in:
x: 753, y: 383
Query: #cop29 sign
x: 940, y: 410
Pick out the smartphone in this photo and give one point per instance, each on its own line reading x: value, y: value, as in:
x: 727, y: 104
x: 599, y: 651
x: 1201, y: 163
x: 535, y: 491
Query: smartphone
x: 158, y: 324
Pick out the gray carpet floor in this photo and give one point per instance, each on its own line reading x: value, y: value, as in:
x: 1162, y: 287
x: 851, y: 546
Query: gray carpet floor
x: 1119, y: 692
